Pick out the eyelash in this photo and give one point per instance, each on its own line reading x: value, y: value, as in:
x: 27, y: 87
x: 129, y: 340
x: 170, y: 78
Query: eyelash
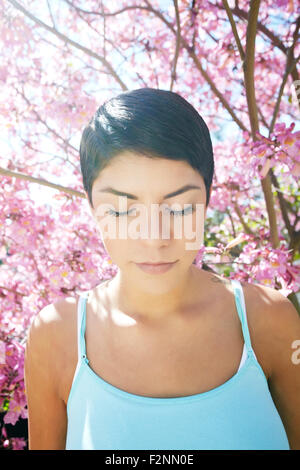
x: 186, y: 211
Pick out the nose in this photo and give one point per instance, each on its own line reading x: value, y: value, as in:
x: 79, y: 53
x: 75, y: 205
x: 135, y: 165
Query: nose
x: 157, y: 227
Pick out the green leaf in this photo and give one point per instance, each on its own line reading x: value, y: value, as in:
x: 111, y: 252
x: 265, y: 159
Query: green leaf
x: 5, y: 404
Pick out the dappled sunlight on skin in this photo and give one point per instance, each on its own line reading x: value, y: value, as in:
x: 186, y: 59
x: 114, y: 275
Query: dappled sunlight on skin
x: 121, y: 319
x: 116, y: 312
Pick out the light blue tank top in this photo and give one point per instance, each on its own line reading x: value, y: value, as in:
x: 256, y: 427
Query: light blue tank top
x: 239, y: 414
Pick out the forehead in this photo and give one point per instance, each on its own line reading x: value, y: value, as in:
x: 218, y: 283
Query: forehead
x: 137, y: 171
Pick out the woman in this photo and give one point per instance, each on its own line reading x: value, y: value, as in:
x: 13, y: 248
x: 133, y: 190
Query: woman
x: 168, y: 356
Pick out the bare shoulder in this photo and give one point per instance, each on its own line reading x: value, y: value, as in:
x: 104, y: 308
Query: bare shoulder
x: 274, y: 324
x: 54, y: 322
x: 56, y: 312
x: 53, y: 332
x: 270, y: 306
x: 57, y: 325
x: 47, y: 341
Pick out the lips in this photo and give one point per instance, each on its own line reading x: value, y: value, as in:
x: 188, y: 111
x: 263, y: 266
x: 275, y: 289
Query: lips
x: 157, y: 264
x: 156, y: 268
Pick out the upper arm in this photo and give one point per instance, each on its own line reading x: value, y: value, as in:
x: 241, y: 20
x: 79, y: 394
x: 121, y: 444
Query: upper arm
x: 47, y: 418
x: 282, y: 328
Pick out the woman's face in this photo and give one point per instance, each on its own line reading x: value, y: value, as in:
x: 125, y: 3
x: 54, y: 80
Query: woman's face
x: 150, y: 181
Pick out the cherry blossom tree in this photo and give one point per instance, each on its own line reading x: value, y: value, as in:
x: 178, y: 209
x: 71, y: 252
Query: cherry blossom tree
x: 235, y: 61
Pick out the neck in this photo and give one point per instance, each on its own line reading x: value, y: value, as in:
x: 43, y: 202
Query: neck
x: 146, y: 301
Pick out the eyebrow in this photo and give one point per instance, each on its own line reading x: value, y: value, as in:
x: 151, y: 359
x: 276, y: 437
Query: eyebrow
x: 185, y: 188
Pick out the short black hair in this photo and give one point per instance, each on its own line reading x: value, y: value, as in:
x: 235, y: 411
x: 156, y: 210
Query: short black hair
x: 149, y: 121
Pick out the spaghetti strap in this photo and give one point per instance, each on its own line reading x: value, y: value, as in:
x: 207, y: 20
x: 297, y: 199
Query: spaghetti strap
x: 81, y: 324
x: 241, y: 309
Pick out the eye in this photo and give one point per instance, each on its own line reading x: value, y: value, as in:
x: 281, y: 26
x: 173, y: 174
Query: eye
x: 118, y: 214
x: 187, y: 210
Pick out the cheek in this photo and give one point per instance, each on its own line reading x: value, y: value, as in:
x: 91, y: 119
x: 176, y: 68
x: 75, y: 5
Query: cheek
x: 189, y: 226
x: 118, y: 250
x: 193, y: 234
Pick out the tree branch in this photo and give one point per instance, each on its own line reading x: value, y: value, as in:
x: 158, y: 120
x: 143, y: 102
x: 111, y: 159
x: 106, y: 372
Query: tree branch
x: 248, y: 67
x: 23, y: 176
x: 184, y: 44
x: 282, y: 203
x: 75, y: 44
x: 178, y: 40
x: 290, y: 65
x: 240, y: 216
x: 234, y: 30
x: 53, y: 131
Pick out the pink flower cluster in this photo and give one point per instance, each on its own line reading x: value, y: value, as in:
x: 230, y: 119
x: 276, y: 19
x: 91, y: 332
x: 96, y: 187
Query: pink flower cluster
x: 282, y: 148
